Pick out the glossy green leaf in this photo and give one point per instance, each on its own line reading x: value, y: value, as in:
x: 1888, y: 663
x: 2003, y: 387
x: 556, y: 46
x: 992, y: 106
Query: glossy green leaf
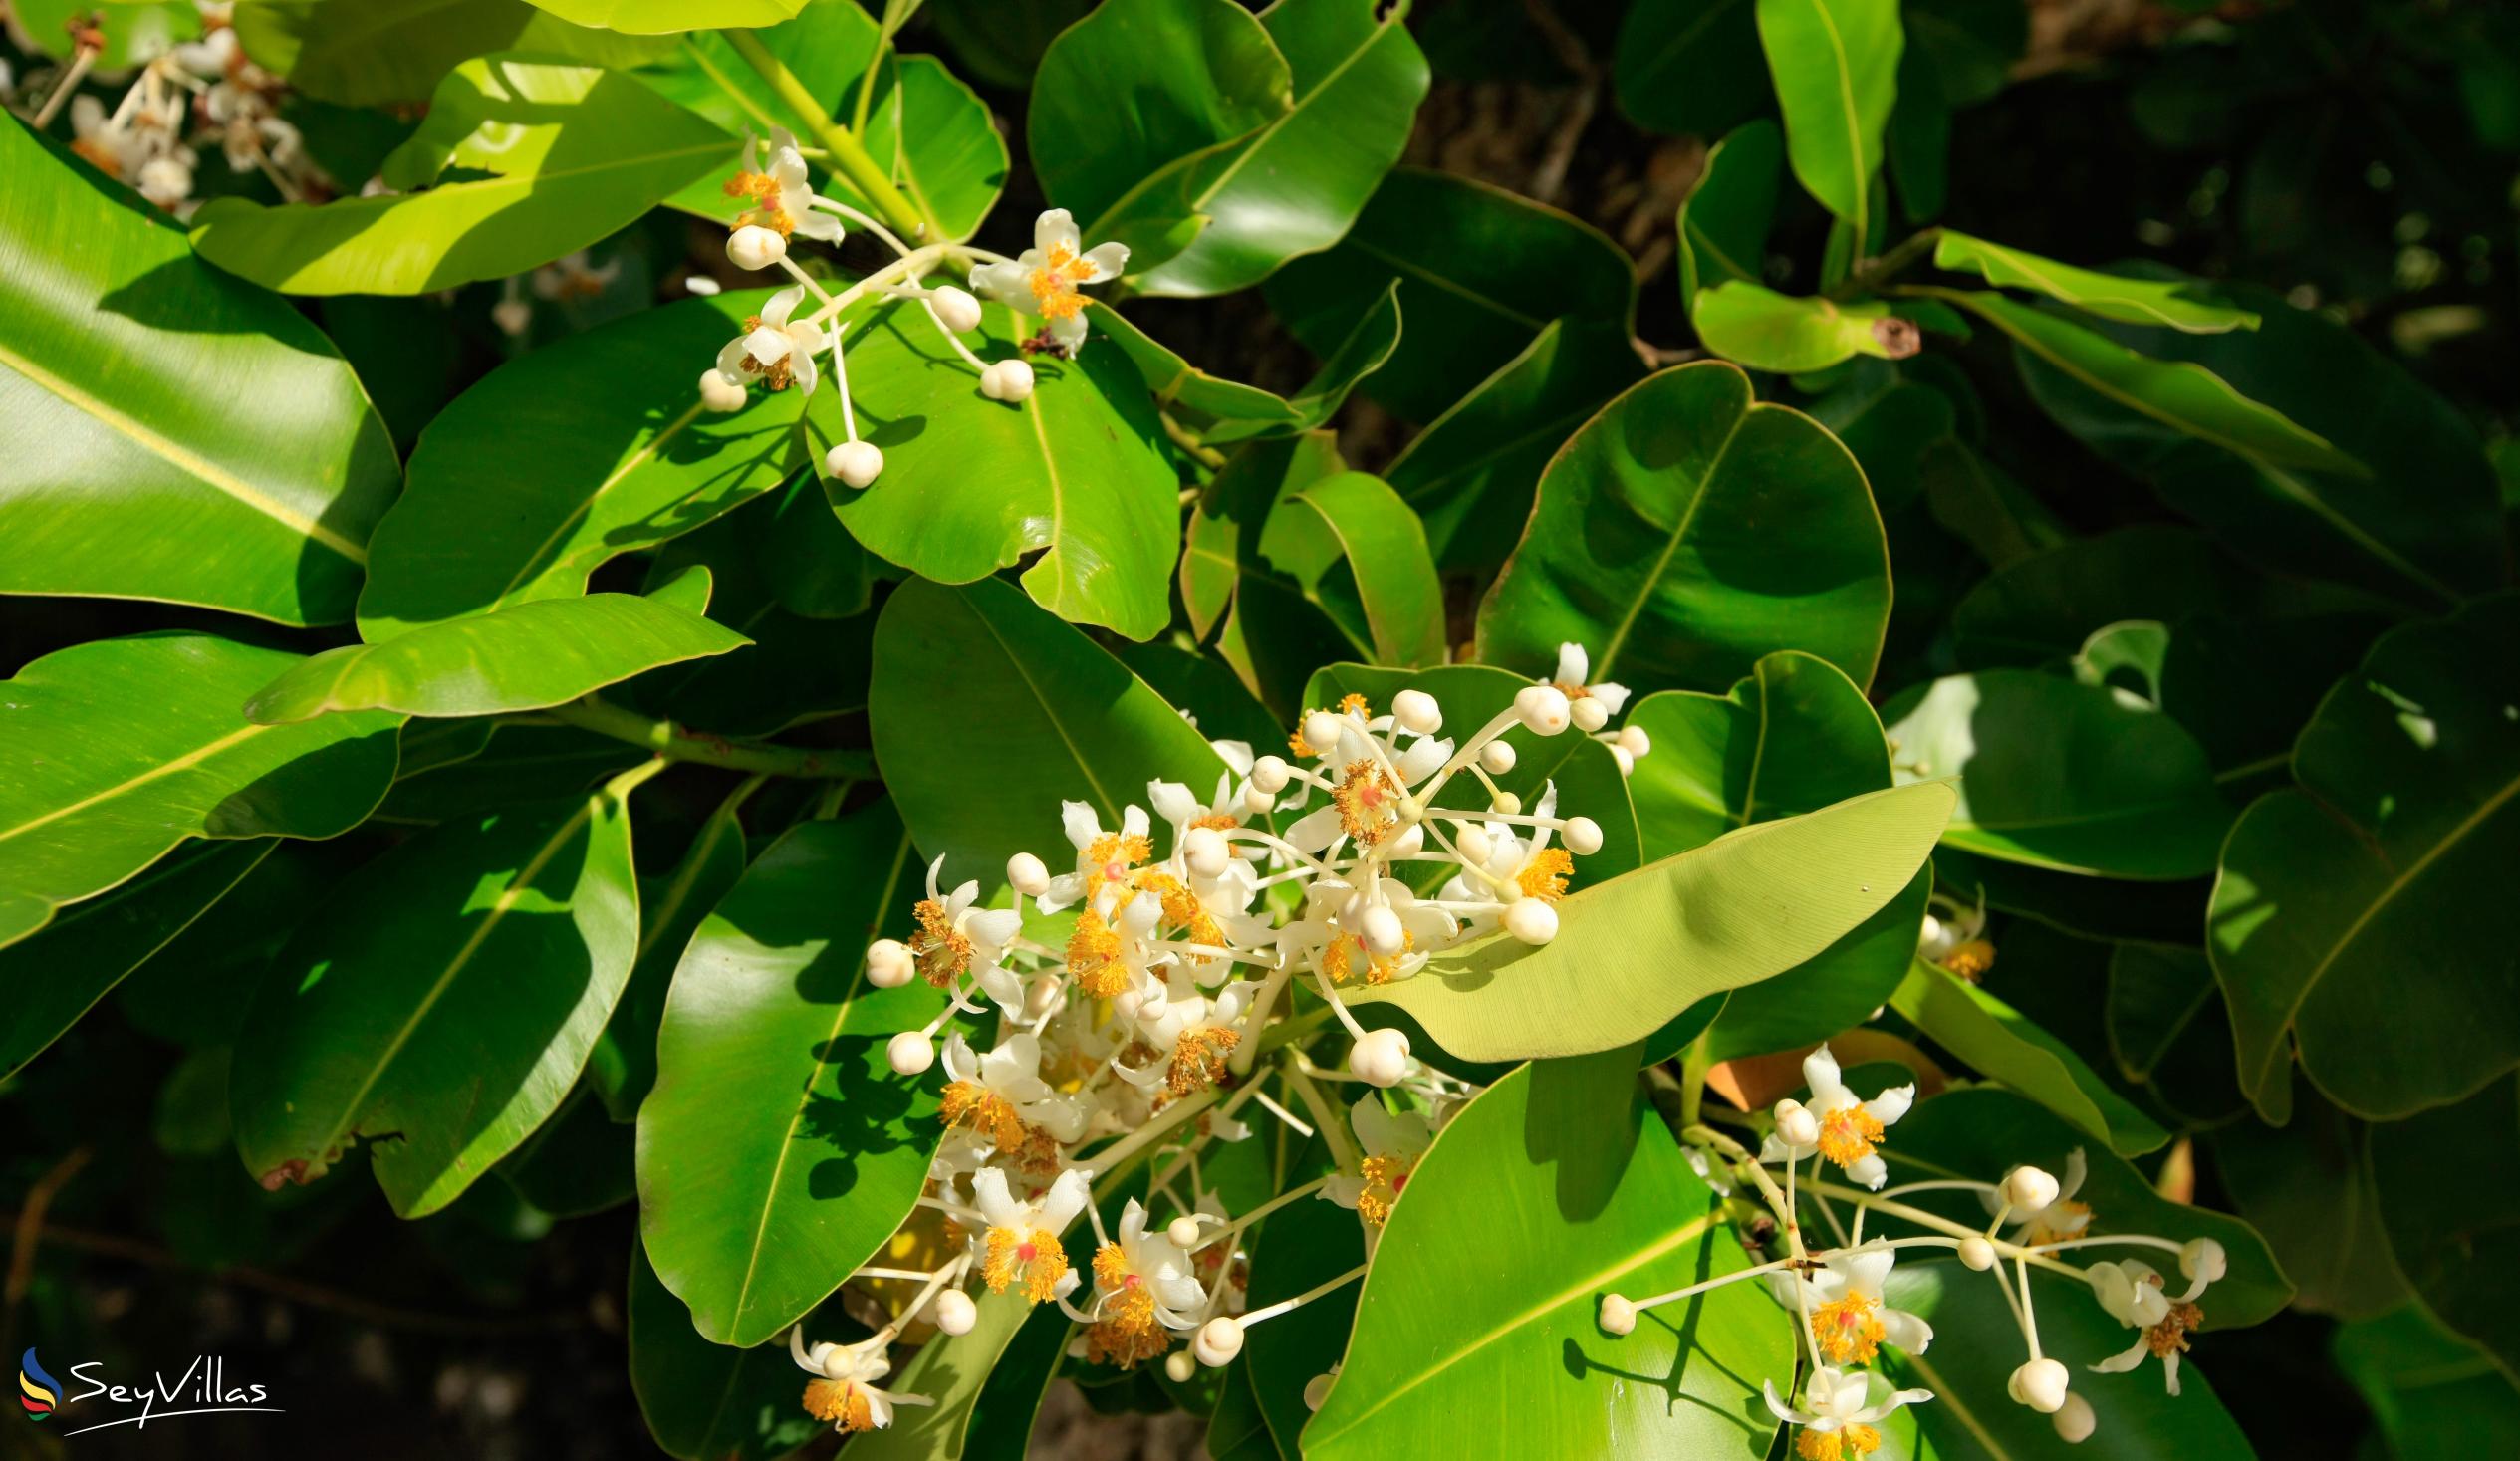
x: 2432, y: 1394
x: 57, y: 975
x: 1723, y: 223
x: 2457, y: 1244
x: 1246, y: 412
x: 1836, y: 68
x: 622, y: 1069
x: 779, y: 1150
x: 664, y: 16
x: 2169, y: 1030
x: 121, y: 748
x: 1481, y: 273
x: 797, y: 669
x: 519, y: 162
x: 2308, y: 1188
x: 971, y: 485
x: 526, y: 656
x: 2391, y: 856
x: 1238, y: 1431
x: 1368, y: 529
x: 242, y: 470
x: 1027, y: 690
x: 707, y: 1401
x: 1295, y: 184
x: 1472, y: 473
x: 1892, y: 422
x: 955, y: 1376
x: 441, y: 1002
x: 1368, y: 349
x: 1298, y: 1249
x: 522, y: 763
x: 1273, y: 637
x: 2173, y: 303
x: 1754, y: 325
x: 193, y: 991
x: 1744, y: 908
x: 387, y: 52
x: 1656, y: 543
x: 1690, y: 66
x: 2062, y: 776
x: 1477, y: 1332
x: 577, y: 1163
x: 1992, y: 1036
x: 567, y: 459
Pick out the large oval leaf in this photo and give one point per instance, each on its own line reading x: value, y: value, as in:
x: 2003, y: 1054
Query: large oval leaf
x: 664, y: 17
x: 122, y: 748
x: 2461, y: 1258
x: 1993, y: 1037
x: 567, y: 459
x: 395, y: 52
x: 441, y: 1001
x: 519, y: 162
x: 1690, y: 66
x: 2394, y: 854
x: 2307, y: 1185
x: 1836, y: 66
x: 1356, y: 521
x: 1724, y: 224
x: 1687, y: 531
x: 2172, y: 302
x: 779, y: 1149
x: 1477, y: 1334
x: 707, y: 1401
x: 241, y: 470
x: 1745, y: 907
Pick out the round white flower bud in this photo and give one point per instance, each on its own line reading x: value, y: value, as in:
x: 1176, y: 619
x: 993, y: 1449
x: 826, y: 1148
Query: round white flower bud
x: 1582, y: 835
x: 820, y: 1355
x: 1417, y: 711
x: 721, y: 391
x: 1127, y: 1003
x: 1381, y: 929
x: 888, y: 963
x: 1589, y: 714
x: 2029, y: 1189
x: 1619, y: 1316
x: 1473, y: 845
x: 1220, y: 1341
x: 956, y: 308
x: 857, y: 463
x: 1532, y: 920
x: 2041, y: 1386
x: 1795, y: 1125
x: 2203, y: 1259
x: 1179, y: 1366
x: 1317, y: 1390
x: 910, y: 1051
x: 1203, y: 848
x: 702, y: 285
x: 1633, y: 740
x: 955, y: 1313
x: 1624, y: 759
x: 1543, y: 709
x: 1408, y: 846
x: 513, y: 317
x: 755, y: 247
x: 1497, y: 757
x: 1320, y: 732
x: 1042, y: 999
x: 1379, y: 1058
x: 1026, y: 874
x: 1976, y: 1254
x: 1007, y: 381
x: 1506, y: 804
x: 1257, y: 802
x: 1184, y: 1233
x: 1270, y: 774
x: 2075, y: 1421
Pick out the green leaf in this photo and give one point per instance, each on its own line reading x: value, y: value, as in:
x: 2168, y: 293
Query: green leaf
x: 1836, y: 68
x: 242, y: 470
x: 528, y: 159
x: 623, y: 1067
x: 1027, y: 691
x: 1299, y: 1248
x: 526, y: 656
x: 1368, y: 349
x: 2170, y: 1031
x: 193, y: 991
x: 971, y: 485
x: 57, y: 975
x: 577, y: 1163
x: 1476, y: 1333
x: 1690, y: 66
x: 2432, y: 1394
x: 521, y: 764
x: 956, y: 1375
x: 2173, y: 303
x: 664, y: 17
x: 779, y: 1150
x: 1238, y: 1431
x: 1657, y: 543
x: 1994, y: 1038
x: 1481, y: 273
x: 566, y: 458
x: 1361, y: 523
x: 1745, y: 907
x: 1756, y: 327
x: 1273, y: 635
x: 705, y: 1401
x: 1724, y: 221
x: 2455, y: 1239
x: 1246, y: 412
x: 441, y: 1001
x: 121, y: 748
x: 1297, y: 183
x: 1472, y: 473
x: 2308, y: 1188
x: 2057, y: 775
x: 2391, y: 856
x: 388, y: 52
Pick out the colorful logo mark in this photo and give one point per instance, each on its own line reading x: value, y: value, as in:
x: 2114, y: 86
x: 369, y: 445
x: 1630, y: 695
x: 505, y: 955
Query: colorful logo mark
x: 37, y: 1391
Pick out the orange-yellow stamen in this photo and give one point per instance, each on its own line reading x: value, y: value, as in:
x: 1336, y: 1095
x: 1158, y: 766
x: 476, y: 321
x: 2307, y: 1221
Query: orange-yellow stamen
x: 1369, y: 803
x: 841, y: 1403
x: 1384, y: 1178
x: 943, y: 951
x: 970, y: 1103
x: 1971, y: 960
x: 1847, y: 1134
x: 1198, y: 1059
x: 1849, y: 1330
x: 1545, y: 873
x: 1094, y: 957
x: 1033, y: 1257
x: 1055, y: 283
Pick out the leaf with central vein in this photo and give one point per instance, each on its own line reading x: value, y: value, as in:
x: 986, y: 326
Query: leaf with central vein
x: 2173, y: 302
x: 1992, y: 1036
x: 779, y: 1150
x: 666, y: 17
x: 442, y: 999
x: 119, y: 749
x: 395, y: 52
x: 1723, y: 223
x: 1475, y: 1332
x: 1836, y: 66
x: 708, y: 1402
x: 241, y: 467
x: 559, y: 461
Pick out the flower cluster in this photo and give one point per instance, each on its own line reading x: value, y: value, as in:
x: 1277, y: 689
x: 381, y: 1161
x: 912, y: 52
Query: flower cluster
x: 1133, y: 979
x: 1837, y: 1293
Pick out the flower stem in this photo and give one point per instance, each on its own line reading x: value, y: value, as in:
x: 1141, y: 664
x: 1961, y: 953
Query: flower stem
x: 849, y: 157
x: 676, y: 744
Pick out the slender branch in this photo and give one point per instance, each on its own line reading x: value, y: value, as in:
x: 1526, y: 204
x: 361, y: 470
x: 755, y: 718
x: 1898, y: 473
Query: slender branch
x: 676, y: 744
x: 1879, y: 271
x: 1183, y: 437
x: 849, y: 157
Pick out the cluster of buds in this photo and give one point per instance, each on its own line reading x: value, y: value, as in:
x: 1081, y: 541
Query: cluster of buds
x: 1842, y: 1321
x: 1134, y: 990
x: 780, y: 349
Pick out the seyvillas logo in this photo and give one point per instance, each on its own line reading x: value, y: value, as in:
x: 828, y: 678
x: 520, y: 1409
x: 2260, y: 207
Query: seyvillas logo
x: 37, y: 1391
x: 204, y: 1389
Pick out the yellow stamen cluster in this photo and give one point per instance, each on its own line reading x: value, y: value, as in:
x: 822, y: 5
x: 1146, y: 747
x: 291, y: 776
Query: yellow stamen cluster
x: 1094, y: 957
x: 1181, y: 907
x: 943, y: 950
x: 1368, y: 802
x: 2170, y: 1337
x: 763, y: 188
x: 1114, y: 851
x: 1849, y: 1330
x: 1847, y: 1134
x: 1338, y: 960
x: 1126, y: 1333
x: 2059, y: 1225
x: 1545, y: 873
x: 1971, y: 960
x: 968, y: 1103
x: 1198, y: 1059
x: 1055, y: 283
x: 1035, y: 1258
x: 841, y: 1403
x: 1836, y: 1445
x: 1385, y: 1176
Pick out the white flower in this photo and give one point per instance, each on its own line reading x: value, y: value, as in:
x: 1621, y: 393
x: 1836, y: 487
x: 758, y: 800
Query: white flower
x: 1042, y: 279
x: 1146, y: 1278
x: 2133, y: 1294
x: 1391, y: 1146
x: 1021, y: 1243
x: 783, y: 198
x: 2060, y: 1219
x: 1199, y: 1030
x: 955, y: 937
x: 1518, y: 867
x: 1104, y: 858
x: 842, y: 1390
x: 773, y: 350
x: 1848, y: 1126
x: 1849, y: 1320
x: 1002, y: 1096
x: 1838, y: 1399
x: 1607, y: 698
